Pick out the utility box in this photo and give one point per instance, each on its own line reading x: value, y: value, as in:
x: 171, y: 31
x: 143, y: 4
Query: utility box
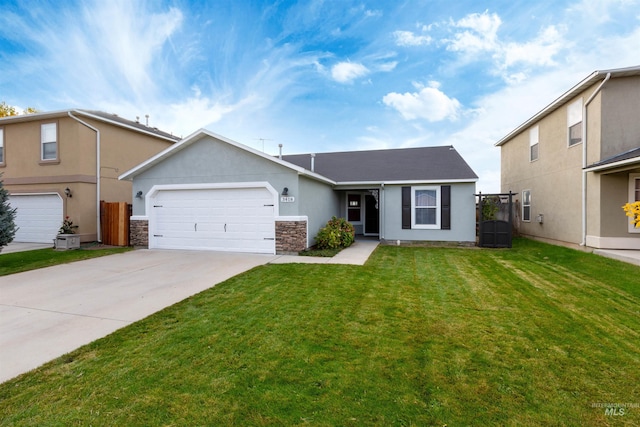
x: 67, y: 241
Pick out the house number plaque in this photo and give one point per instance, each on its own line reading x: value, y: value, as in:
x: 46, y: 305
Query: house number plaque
x: 287, y: 199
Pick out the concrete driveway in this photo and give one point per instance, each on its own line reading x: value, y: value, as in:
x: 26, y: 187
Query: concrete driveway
x: 49, y: 312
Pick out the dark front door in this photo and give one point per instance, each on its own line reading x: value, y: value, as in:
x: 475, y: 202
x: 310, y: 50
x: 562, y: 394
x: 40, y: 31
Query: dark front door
x: 371, y: 215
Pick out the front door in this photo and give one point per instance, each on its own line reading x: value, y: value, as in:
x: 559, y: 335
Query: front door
x: 371, y: 215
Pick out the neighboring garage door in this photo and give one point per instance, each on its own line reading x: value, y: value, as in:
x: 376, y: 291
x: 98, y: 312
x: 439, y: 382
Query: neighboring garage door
x: 39, y: 217
x: 220, y: 219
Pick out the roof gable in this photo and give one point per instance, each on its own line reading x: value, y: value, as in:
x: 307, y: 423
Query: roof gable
x: 101, y: 116
x: 198, y: 136
x: 596, y: 76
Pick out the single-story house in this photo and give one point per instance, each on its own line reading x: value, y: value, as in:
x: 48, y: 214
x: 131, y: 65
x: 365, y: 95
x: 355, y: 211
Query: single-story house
x: 208, y: 192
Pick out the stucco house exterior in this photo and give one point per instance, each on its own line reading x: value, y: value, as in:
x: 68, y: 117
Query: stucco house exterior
x: 208, y: 192
x: 63, y: 163
x: 575, y: 163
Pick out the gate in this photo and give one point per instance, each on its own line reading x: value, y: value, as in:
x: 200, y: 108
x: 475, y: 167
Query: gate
x: 495, y: 220
x: 114, y: 218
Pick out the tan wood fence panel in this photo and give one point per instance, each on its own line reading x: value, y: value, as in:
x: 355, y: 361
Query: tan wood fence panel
x: 115, y: 223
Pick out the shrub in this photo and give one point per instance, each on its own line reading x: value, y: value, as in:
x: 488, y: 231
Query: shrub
x: 338, y: 233
x: 8, y: 226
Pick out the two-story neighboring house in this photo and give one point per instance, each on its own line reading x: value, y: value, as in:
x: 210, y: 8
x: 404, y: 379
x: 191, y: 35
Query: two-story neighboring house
x: 63, y: 163
x: 575, y: 163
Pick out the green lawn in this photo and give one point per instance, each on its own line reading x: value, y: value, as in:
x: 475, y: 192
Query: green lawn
x: 16, y: 262
x: 535, y: 335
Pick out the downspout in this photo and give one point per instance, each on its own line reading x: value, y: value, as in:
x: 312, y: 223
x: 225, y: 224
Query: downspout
x: 584, y: 158
x: 98, y: 224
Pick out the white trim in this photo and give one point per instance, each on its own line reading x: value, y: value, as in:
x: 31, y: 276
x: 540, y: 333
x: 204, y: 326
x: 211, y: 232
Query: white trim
x: 614, y: 165
x: 37, y: 194
x: 197, y: 136
x: 437, y: 207
x: 212, y: 186
x: 43, y: 142
x: 570, y: 94
x: 341, y: 184
x: 360, y: 207
x: 523, y: 205
x: 632, y: 187
x: 126, y: 126
x: 534, y: 140
x: 139, y: 218
x: 632, y: 243
x: 292, y: 218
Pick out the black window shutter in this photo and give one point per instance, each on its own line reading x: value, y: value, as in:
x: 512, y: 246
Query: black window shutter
x: 445, y: 208
x: 406, y: 207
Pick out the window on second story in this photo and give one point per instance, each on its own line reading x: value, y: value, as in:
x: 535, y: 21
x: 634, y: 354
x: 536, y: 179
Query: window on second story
x: 49, y: 141
x: 1, y: 146
x: 526, y: 205
x: 533, y: 143
x: 574, y: 122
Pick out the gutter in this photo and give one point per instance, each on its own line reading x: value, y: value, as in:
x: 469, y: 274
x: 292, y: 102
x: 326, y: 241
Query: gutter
x: 98, y: 224
x: 584, y: 158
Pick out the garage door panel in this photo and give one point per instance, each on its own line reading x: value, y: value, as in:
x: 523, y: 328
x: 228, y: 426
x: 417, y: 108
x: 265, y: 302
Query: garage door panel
x: 38, y: 217
x: 214, y: 219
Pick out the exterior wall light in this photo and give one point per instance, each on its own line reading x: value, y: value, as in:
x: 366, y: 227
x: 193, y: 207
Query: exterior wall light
x: 67, y: 192
x: 139, y: 195
x: 285, y: 191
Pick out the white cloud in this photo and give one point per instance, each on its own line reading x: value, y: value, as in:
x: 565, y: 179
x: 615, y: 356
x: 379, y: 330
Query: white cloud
x: 540, y: 51
x: 408, y: 38
x: 480, y: 34
x: 372, y: 13
x: 476, y: 37
x: 347, y: 72
x: 429, y: 103
x: 387, y: 66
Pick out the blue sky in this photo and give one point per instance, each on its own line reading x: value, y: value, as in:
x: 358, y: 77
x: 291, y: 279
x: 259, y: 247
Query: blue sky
x: 316, y: 76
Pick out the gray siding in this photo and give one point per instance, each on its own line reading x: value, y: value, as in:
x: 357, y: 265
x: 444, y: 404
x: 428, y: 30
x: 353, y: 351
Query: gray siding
x: 620, y: 116
x: 319, y: 202
x: 212, y: 161
x: 463, y: 219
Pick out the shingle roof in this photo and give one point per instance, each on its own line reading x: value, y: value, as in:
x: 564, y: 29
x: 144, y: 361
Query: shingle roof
x: 130, y: 123
x: 630, y: 155
x: 406, y: 164
x: 97, y: 115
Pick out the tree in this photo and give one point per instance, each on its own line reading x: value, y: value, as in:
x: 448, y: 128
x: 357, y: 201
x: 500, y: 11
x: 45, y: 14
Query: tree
x: 7, y: 218
x: 7, y: 110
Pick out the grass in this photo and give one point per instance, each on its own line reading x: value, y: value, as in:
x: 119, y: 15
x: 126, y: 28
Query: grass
x: 535, y: 335
x: 16, y: 262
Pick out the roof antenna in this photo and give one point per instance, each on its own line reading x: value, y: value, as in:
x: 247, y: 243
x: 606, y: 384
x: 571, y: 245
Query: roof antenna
x: 263, y: 140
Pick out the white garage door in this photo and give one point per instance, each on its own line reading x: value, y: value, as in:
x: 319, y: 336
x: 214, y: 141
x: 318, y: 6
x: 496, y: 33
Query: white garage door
x: 220, y: 219
x: 39, y: 217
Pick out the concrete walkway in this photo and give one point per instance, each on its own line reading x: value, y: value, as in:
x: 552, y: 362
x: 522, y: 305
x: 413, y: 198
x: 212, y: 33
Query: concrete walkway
x: 630, y: 256
x: 22, y: 247
x: 49, y: 312
x: 356, y: 254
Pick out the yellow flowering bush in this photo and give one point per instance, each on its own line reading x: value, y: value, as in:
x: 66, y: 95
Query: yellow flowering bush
x: 632, y: 210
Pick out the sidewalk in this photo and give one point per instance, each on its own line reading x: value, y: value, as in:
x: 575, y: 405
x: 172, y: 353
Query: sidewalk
x: 21, y: 247
x: 630, y: 256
